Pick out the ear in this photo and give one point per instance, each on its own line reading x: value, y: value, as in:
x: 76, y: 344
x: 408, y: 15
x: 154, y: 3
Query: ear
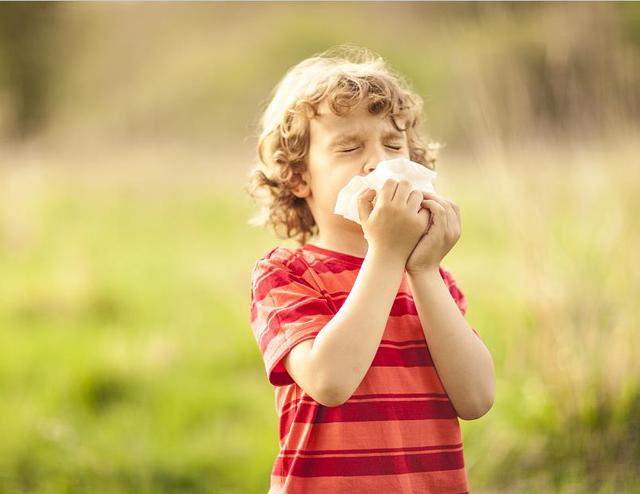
x: 303, y: 189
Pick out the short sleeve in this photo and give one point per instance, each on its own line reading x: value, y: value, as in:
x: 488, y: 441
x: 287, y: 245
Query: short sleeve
x: 456, y: 292
x: 285, y: 309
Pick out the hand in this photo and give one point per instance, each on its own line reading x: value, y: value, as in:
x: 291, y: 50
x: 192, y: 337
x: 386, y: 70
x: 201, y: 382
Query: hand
x: 392, y: 219
x: 442, y: 232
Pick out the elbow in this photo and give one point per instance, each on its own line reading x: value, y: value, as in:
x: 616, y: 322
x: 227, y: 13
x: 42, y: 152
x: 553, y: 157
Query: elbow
x: 331, y: 397
x: 481, y: 400
x: 330, y: 392
x: 478, y: 407
x: 475, y: 412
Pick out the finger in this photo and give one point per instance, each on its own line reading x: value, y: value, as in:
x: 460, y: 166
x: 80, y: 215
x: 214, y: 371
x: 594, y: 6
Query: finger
x: 456, y: 210
x: 414, y: 200
x: 453, y: 218
x: 387, y: 190
x: 438, y: 212
x: 364, y: 203
x: 452, y: 208
x: 402, y: 191
x: 436, y: 197
x: 434, y: 206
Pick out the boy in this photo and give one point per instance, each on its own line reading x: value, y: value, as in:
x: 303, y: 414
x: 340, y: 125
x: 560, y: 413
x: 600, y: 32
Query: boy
x: 362, y: 332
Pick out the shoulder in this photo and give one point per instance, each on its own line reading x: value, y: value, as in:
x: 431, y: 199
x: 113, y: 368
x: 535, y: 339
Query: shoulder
x: 283, y: 260
x: 278, y: 256
x: 282, y: 276
x: 276, y: 252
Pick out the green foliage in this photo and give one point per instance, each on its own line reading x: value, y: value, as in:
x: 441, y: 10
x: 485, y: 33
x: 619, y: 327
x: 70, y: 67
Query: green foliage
x: 127, y: 363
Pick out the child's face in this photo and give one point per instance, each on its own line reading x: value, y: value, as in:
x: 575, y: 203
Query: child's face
x: 341, y: 147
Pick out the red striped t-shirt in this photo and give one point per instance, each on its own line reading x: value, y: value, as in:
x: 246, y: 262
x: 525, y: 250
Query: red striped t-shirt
x: 398, y: 432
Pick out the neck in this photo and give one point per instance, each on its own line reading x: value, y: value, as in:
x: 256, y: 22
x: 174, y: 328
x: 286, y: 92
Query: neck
x: 352, y: 243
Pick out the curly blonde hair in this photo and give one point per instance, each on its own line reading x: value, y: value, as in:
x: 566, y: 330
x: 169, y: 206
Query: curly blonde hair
x: 344, y: 75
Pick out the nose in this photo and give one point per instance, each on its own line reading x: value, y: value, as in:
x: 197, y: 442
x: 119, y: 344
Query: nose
x: 377, y: 153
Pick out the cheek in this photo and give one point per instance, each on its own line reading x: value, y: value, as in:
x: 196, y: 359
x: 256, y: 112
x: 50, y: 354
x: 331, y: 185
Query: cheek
x: 330, y: 174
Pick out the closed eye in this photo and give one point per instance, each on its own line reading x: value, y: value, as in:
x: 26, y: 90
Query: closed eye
x: 349, y: 150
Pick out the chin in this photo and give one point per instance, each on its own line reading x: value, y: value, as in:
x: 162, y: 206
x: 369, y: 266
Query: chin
x: 342, y: 221
x: 354, y: 227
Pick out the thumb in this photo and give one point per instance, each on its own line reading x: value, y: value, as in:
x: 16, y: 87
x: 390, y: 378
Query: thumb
x: 364, y: 203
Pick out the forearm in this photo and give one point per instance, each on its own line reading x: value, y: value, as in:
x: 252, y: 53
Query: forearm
x: 345, y: 347
x: 461, y: 359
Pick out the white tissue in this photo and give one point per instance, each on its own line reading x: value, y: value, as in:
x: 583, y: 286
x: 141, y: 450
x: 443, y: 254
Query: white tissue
x: 418, y: 175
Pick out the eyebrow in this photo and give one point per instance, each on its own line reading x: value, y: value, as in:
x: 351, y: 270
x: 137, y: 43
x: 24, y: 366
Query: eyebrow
x: 349, y: 138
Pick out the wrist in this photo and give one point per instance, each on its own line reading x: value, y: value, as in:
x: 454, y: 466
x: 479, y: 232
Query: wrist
x: 386, y: 257
x: 428, y: 273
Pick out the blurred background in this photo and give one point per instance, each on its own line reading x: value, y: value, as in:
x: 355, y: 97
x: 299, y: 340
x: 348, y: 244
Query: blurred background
x: 127, y: 130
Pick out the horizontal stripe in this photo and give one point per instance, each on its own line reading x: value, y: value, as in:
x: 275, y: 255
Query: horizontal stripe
x: 375, y: 409
x: 369, y: 451
x: 381, y: 379
x: 373, y: 397
x: 361, y: 435
x: 302, y: 466
x: 402, y: 357
x: 436, y: 482
x: 395, y: 409
x: 403, y: 343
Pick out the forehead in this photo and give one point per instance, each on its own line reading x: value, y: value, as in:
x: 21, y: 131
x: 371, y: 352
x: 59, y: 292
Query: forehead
x: 327, y: 127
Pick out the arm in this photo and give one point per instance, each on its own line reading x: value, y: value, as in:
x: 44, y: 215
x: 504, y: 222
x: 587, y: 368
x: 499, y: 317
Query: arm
x: 342, y: 352
x: 462, y: 361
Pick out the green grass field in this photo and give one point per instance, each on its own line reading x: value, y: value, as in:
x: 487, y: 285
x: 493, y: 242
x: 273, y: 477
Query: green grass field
x: 127, y: 363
